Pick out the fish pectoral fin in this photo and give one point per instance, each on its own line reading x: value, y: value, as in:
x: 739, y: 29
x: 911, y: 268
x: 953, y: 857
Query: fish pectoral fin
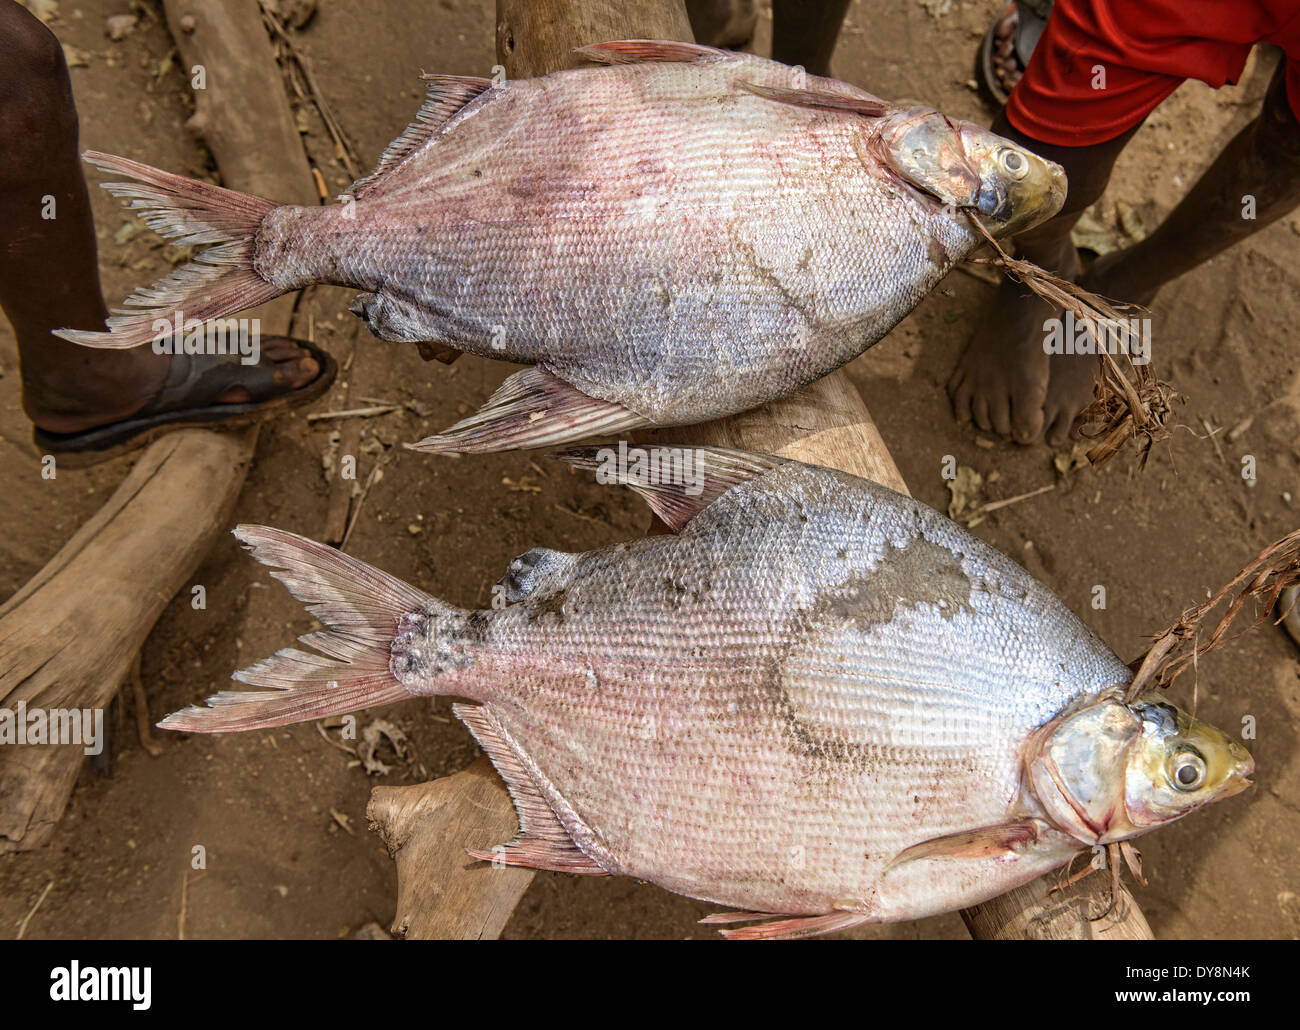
x: 985, y: 842
x: 532, y: 408
x: 542, y: 841
x: 784, y: 927
x: 868, y: 107
x: 446, y: 95
x: 636, y: 51
x: 677, y: 482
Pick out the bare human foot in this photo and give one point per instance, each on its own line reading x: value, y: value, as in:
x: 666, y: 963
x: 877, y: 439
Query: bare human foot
x: 1001, y: 380
x: 1070, y: 387
x: 1007, y: 383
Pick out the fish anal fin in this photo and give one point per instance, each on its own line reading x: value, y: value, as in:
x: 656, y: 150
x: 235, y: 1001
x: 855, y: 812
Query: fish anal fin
x: 677, y: 482
x: 532, y: 408
x: 637, y: 51
x: 447, y: 94
x: 867, y: 106
x: 996, y: 841
x: 538, y: 853
x: 542, y: 841
x: 785, y: 927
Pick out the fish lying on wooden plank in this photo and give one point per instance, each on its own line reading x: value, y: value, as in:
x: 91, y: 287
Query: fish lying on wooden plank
x: 820, y: 700
x: 680, y: 234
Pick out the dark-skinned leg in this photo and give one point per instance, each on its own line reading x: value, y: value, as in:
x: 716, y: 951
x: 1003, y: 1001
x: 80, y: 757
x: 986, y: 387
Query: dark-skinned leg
x: 1002, y: 381
x: 49, y: 277
x: 1262, y: 161
x: 804, y: 32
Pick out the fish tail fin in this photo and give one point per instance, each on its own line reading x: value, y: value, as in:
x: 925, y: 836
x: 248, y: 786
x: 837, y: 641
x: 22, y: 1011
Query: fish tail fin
x: 364, y: 611
x: 218, y: 282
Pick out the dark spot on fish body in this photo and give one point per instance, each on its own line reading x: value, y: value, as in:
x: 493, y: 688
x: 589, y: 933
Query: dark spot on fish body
x: 919, y: 572
x: 477, y: 173
x: 552, y: 604
x: 936, y: 252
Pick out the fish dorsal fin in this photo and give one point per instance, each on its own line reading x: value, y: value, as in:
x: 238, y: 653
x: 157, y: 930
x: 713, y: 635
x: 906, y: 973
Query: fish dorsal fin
x: 638, y: 51
x: 866, y: 105
x: 447, y: 94
x: 677, y: 482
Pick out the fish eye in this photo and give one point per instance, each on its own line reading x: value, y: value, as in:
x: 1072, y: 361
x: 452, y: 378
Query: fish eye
x: 1187, y: 769
x: 1013, y: 162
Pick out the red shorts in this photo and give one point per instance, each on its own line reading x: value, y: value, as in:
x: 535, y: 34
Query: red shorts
x: 1102, y: 66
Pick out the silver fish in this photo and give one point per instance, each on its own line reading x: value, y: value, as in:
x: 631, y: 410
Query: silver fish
x: 680, y: 234
x: 820, y: 701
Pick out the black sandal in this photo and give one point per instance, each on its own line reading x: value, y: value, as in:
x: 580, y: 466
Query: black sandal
x: 1029, y: 18
x: 188, y: 399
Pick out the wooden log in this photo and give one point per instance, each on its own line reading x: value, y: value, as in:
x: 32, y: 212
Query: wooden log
x: 825, y: 423
x: 68, y: 637
x: 441, y: 891
x: 1078, y: 913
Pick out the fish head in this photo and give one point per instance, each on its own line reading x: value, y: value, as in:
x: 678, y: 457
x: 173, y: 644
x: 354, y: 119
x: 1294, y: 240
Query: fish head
x: 1109, y: 770
x: 969, y: 167
x: 1179, y: 764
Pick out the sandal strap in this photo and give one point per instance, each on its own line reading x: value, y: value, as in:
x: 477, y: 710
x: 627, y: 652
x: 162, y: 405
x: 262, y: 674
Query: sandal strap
x: 197, y: 380
x: 1032, y: 20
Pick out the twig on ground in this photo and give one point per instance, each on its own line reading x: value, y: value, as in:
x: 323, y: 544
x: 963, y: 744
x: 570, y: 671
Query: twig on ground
x: 322, y: 416
x: 142, y: 721
x: 22, y: 928
x: 304, y: 85
x: 376, y: 474
x: 984, y: 509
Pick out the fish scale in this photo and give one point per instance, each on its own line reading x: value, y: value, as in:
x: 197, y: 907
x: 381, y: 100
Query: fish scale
x: 819, y: 700
x: 680, y: 234
x: 706, y: 739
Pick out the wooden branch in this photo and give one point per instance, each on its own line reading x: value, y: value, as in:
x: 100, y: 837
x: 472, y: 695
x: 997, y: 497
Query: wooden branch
x: 1030, y: 913
x: 825, y: 423
x: 68, y: 637
x: 441, y: 891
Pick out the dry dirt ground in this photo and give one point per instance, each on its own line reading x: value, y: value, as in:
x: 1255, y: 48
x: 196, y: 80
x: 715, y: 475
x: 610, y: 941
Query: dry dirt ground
x: 281, y: 814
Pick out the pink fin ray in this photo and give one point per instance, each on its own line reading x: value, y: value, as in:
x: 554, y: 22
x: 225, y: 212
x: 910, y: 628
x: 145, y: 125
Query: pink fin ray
x: 867, y: 106
x: 785, y: 927
x: 447, y: 94
x: 359, y: 605
x: 218, y: 282
x: 984, y: 842
x: 697, y: 476
x: 542, y: 842
x: 532, y: 408
x: 636, y: 51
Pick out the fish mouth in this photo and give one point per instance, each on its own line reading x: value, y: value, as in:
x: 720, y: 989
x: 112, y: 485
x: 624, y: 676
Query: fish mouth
x: 993, y: 201
x: 1240, y: 777
x: 1027, y: 203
